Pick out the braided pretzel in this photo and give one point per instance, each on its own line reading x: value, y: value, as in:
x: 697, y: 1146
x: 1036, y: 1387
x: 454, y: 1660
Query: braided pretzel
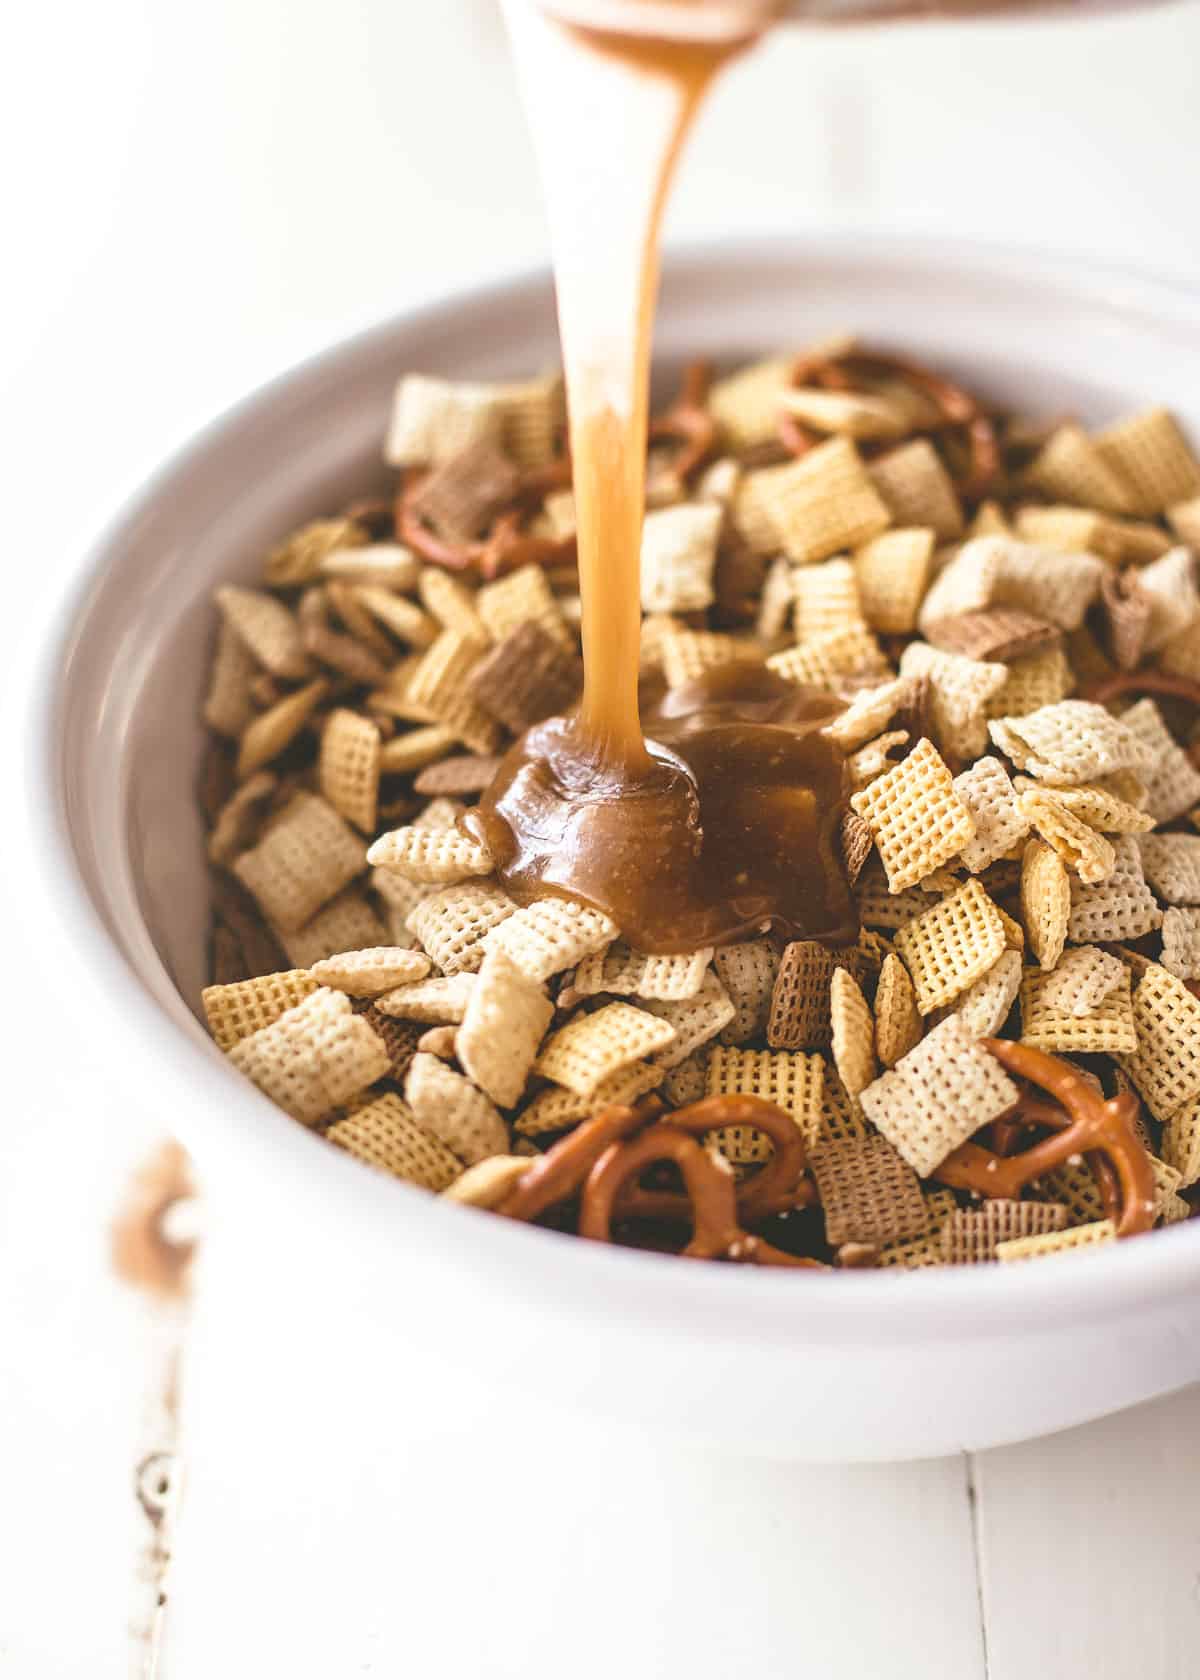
x: 1089, y: 1125
x: 958, y: 408
x: 710, y: 1192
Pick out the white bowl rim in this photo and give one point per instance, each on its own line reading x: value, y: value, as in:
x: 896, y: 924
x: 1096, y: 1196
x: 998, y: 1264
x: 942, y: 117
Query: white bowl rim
x: 577, y: 1277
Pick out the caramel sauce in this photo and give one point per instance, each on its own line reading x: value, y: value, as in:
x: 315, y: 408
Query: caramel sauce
x: 725, y: 820
x: 733, y: 826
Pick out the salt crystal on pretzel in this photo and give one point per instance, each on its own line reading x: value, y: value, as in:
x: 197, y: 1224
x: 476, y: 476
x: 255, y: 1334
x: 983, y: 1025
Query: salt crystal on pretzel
x: 1071, y: 467
x: 1081, y: 981
x: 938, y: 1095
x: 385, y: 1134
x: 916, y: 816
x: 620, y: 970
x: 792, y: 1081
x: 951, y: 945
x: 347, y: 922
x: 1181, y: 943
x: 1056, y: 1242
x: 959, y: 691
x: 898, y: 1026
x: 454, y: 924
x: 506, y: 1016
x: 1107, y: 1029
x: 556, y: 1108
x: 1172, y: 866
x: 267, y: 628
x: 868, y: 1193
x: 305, y: 857
x: 826, y: 599
x: 591, y: 1047
x: 1149, y: 453
x: 552, y: 934
x: 811, y: 508
x: 1166, y: 1068
x: 693, y: 1020
x: 313, y: 1057
x: 441, y: 856
x: 988, y: 794
x: 834, y: 653
x: 747, y: 971
x: 679, y: 552
x: 853, y: 1032
x: 454, y: 1110
x: 235, y: 1011
x: 366, y: 972
x: 970, y: 1237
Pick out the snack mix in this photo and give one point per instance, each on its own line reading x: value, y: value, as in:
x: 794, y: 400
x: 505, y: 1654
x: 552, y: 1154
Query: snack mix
x: 1006, y: 1062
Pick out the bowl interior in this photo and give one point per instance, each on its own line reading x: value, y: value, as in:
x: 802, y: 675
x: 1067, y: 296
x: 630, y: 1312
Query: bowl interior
x: 128, y: 673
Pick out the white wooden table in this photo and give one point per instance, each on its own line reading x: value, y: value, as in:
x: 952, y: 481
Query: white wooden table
x: 198, y: 198
x: 1075, y: 1556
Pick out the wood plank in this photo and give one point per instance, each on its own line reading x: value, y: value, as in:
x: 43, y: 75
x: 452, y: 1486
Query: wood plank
x: 1090, y: 1548
x: 332, y: 1526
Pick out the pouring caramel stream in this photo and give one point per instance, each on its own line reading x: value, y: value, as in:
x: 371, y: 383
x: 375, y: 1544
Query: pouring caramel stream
x: 726, y: 819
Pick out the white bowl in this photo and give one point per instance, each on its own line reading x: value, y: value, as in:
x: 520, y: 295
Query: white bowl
x: 849, y: 1366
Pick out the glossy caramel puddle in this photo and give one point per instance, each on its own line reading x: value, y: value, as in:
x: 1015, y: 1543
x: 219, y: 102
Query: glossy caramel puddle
x: 733, y: 826
x: 726, y: 819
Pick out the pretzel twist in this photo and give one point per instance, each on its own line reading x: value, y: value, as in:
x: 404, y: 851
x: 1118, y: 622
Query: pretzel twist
x: 710, y: 1191
x: 959, y: 410
x: 687, y: 421
x: 1085, y: 1124
x: 602, y: 1159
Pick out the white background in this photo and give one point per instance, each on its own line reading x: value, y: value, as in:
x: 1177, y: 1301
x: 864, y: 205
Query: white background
x: 195, y: 196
